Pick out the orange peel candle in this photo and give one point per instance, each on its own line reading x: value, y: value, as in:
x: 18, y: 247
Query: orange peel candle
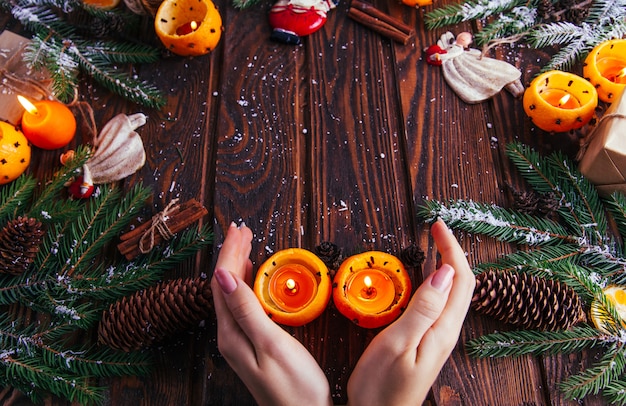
x: 605, y: 68
x: 560, y: 101
x: 47, y: 124
x: 371, y: 289
x: 188, y: 27
x: 293, y: 286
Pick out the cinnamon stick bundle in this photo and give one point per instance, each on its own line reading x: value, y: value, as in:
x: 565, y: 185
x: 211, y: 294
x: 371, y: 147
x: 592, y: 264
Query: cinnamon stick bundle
x: 380, y: 22
x: 177, y: 219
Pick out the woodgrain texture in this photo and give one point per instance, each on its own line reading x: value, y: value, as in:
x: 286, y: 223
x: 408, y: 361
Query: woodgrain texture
x: 338, y: 139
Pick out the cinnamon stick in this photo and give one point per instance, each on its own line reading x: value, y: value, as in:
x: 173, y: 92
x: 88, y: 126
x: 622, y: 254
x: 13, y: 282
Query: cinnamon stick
x: 179, y: 218
x: 380, y: 22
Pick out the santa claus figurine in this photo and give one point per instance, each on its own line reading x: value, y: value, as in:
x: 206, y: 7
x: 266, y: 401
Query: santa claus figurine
x: 292, y: 19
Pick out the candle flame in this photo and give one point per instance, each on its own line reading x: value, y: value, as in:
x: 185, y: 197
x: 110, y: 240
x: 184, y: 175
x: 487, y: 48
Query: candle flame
x: 621, y: 73
x: 564, y: 99
x: 290, y: 284
x: 367, y: 281
x: 30, y: 107
x: 194, y: 25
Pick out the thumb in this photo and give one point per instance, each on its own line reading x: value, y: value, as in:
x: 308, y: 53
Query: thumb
x: 425, y: 306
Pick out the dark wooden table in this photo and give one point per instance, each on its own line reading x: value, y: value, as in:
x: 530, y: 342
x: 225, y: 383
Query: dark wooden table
x: 338, y: 139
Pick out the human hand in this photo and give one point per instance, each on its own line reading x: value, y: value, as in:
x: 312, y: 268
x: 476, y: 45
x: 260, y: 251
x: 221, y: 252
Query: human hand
x: 275, y: 367
x: 402, y: 362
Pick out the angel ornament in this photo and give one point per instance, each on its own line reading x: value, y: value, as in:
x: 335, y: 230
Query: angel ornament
x: 119, y: 152
x: 473, y: 77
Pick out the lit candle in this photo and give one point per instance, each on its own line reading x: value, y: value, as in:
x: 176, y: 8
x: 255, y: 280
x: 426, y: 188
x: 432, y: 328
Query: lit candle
x: 47, y: 124
x: 560, y: 101
x: 371, y: 289
x: 605, y: 68
x: 293, y: 286
x: 200, y: 32
x: 187, y: 28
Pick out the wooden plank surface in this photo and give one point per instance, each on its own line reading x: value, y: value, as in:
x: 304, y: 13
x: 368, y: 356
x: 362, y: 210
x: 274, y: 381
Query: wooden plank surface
x: 338, y: 139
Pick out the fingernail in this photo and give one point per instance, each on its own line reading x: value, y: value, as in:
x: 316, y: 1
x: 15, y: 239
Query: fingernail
x: 226, y: 280
x: 442, y: 279
x: 233, y: 224
x: 242, y: 224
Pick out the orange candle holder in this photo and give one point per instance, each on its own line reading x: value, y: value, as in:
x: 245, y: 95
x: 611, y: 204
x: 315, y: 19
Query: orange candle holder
x: 560, y: 101
x: 14, y: 153
x: 293, y: 286
x: 605, y: 68
x: 188, y: 27
x: 372, y: 289
x: 47, y: 124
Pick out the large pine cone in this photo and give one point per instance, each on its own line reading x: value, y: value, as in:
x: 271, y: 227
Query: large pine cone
x: 19, y: 244
x: 153, y: 314
x: 527, y: 301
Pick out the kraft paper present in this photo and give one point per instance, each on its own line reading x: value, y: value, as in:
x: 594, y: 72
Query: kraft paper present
x: 16, y: 77
x: 604, y: 160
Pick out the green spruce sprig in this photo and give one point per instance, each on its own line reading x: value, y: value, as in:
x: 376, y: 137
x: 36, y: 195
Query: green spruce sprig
x: 575, y: 249
x: 59, y: 47
x: 512, y: 21
x: 70, y: 281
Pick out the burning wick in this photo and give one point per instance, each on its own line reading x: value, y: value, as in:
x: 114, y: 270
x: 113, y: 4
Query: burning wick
x: 187, y: 28
x: 291, y: 286
x: 368, y: 286
x: 564, y: 100
x: 30, y: 107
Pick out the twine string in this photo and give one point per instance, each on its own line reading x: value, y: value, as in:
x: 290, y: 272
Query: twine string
x: 159, y: 225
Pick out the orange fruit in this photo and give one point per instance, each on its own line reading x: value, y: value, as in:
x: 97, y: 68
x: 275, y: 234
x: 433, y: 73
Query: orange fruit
x: 600, y: 318
x: 361, y: 302
x: 293, y: 286
x: 14, y: 153
x: 582, y: 101
x: 417, y: 3
x: 188, y: 27
x: 103, y: 4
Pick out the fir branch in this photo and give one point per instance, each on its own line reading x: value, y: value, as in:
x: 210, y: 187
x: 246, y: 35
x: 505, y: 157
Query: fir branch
x: 97, y: 362
x: 593, y: 380
x: 497, y: 222
x: 50, y: 379
x: 119, y: 52
x: 554, y: 34
x: 470, y: 10
x: 516, y: 343
x: 100, y: 222
x: 517, y: 21
x: 615, y: 392
x: 241, y: 4
x: 134, y: 90
x: 66, y: 173
x: 616, y: 205
x: 14, y: 196
x: 537, y: 261
x: 583, y: 199
x: 582, y: 214
x: 64, y: 53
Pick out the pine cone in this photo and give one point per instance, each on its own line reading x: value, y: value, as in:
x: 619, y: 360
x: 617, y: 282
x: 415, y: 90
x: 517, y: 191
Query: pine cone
x: 527, y: 301
x: 330, y: 254
x: 19, y: 244
x: 545, y: 9
x: 412, y: 256
x: 153, y: 314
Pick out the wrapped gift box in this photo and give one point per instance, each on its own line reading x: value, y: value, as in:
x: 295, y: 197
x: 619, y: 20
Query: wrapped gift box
x: 16, y: 77
x: 604, y: 160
